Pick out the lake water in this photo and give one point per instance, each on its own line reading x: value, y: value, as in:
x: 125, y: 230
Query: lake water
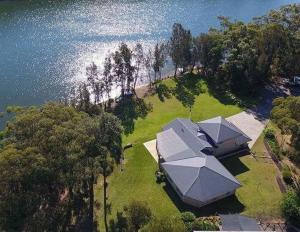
x: 45, y: 47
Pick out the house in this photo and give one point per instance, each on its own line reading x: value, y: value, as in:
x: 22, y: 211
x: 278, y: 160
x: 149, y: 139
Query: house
x: 188, y: 153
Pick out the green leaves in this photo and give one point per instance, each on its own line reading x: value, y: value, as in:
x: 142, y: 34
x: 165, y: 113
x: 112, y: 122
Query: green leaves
x: 49, y: 159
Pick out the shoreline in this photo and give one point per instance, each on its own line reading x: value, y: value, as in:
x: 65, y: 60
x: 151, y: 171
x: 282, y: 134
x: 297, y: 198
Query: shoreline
x: 141, y: 90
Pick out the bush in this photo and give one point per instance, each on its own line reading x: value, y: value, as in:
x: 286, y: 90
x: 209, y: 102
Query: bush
x: 188, y: 217
x: 290, y: 207
x: 269, y: 134
x: 204, y: 225
x: 138, y: 214
x: 287, y: 175
x: 160, y: 177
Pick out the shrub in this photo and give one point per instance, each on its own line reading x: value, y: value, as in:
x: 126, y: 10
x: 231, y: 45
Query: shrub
x: 287, y: 175
x: 138, y: 214
x: 160, y: 177
x: 204, y: 225
x: 269, y: 134
x: 290, y: 207
x: 188, y: 217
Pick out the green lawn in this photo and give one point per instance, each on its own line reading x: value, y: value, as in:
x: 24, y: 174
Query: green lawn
x: 259, y: 193
x: 137, y: 180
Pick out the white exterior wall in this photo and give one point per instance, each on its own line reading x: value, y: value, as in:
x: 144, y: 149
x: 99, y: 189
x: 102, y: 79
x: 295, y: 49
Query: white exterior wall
x: 199, y: 204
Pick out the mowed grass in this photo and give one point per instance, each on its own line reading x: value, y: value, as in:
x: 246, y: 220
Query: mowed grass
x: 259, y: 193
x: 137, y: 180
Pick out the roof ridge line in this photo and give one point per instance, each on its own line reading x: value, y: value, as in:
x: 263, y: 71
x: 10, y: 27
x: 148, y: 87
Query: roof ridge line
x: 222, y: 175
x: 194, y: 180
x: 219, y: 129
x: 239, y: 130
x: 186, y: 158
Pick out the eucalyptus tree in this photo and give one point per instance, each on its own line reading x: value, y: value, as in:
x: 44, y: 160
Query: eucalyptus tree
x: 94, y: 82
x: 107, y: 76
x: 106, y: 148
x: 127, y: 59
x: 138, y: 54
x: 180, y: 46
x: 209, y: 51
x: 38, y: 165
x: 118, y: 71
x: 159, y: 59
x: 148, y: 60
x: 51, y: 159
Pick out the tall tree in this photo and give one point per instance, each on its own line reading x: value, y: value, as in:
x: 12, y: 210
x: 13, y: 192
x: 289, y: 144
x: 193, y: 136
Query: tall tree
x: 118, y: 70
x: 138, y: 54
x: 126, y: 55
x: 209, y: 51
x: 148, y: 60
x: 107, y: 76
x: 180, y: 47
x: 159, y: 59
x: 44, y: 146
x: 106, y: 149
x: 94, y: 82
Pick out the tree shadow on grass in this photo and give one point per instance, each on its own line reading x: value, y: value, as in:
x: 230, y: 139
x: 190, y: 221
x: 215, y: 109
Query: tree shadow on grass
x: 163, y: 92
x: 187, y: 88
x: 218, y: 89
x: 224, y: 206
x: 129, y: 109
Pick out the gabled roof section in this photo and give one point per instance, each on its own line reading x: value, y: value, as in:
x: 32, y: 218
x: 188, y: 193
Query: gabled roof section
x: 220, y: 130
x: 201, y: 178
x: 187, y: 131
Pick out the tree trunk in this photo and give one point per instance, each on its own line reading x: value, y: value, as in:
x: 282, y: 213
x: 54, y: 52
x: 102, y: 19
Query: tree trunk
x: 105, y: 202
x: 175, y: 71
x: 134, y: 83
x: 69, y: 210
x: 91, y: 202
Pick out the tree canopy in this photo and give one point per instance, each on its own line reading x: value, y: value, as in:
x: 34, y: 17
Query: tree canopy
x: 48, y: 166
x: 286, y: 115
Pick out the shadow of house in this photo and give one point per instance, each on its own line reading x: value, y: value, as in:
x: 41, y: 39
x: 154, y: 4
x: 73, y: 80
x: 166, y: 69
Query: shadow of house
x: 227, y: 205
x: 129, y: 109
x: 234, y: 165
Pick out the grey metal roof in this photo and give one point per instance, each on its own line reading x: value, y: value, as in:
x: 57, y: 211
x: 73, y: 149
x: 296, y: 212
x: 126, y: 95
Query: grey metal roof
x: 236, y: 222
x: 171, y: 147
x: 188, y: 131
x: 201, y: 178
x: 220, y: 130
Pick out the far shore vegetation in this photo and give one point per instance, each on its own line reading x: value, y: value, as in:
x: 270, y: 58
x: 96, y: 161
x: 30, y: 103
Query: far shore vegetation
x: 80, y: 164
